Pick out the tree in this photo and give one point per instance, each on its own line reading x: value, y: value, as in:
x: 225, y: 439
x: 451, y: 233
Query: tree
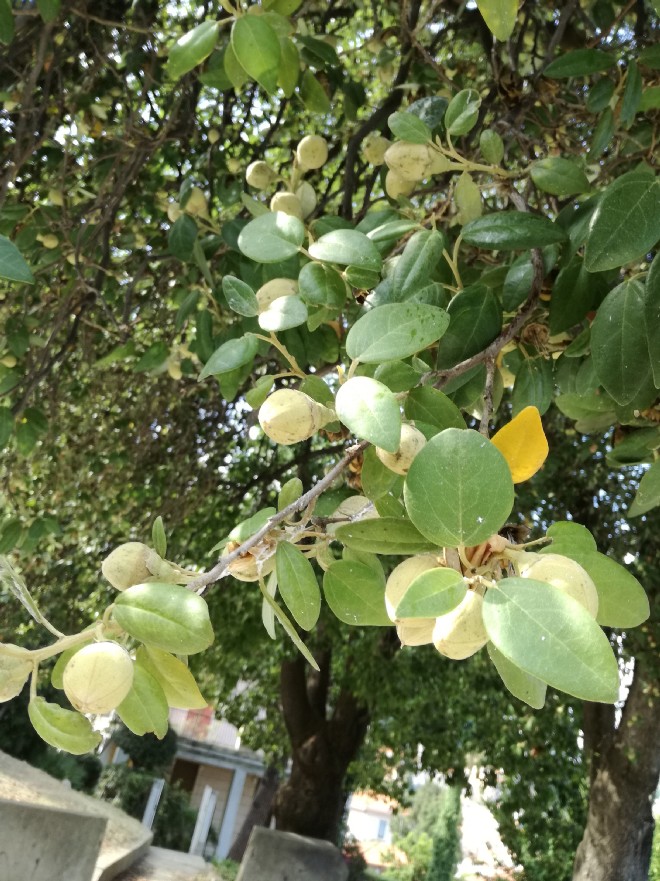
x: 368, y: 262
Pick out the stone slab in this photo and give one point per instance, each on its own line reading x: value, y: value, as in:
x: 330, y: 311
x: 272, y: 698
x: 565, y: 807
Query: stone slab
x: 160, y: 864
x: 125, y: 839
x: 283, y: 856
x: 43, y: 843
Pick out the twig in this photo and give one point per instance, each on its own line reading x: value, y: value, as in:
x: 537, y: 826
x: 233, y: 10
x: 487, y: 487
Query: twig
x: 220, y: 569
x: 488, y: 397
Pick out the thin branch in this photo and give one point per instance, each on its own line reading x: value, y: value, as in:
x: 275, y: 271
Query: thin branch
x: 488, y: 397
x: 220, y: 569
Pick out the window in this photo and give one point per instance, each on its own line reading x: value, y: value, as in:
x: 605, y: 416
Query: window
x: 382, y: 829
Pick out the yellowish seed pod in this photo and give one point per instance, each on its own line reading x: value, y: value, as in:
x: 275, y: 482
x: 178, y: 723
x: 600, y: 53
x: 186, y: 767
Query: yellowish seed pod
x: 56, y: 197
x: 287, y: 203
x: 196, y: 203
x: 440, y: 163
x: 412, y: 162
x: 49, y: 241
x: 412, y: 441
x: 98, y: 677
x: 173, y: 212
x: 374, y: 148
x: 259, y: 175
x: 402, y: 576
x: 353, y: 508
x: 564, y: 574
x: 128, y: 565
x: 213, y: 136
x: 247, y: 566
x: 289, y: 416
x: 415, y: 631
x: 396, y: 186
x: 274, y: 289
x: 461, y: 632
x: 312, y: 152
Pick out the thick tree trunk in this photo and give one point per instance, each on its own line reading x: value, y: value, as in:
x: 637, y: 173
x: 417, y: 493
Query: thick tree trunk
x: 616, y: 845
x: 311, y: 801
x: 261, y: 810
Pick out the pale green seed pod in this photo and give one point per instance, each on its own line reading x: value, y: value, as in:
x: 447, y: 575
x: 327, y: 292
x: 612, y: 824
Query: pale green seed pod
x: 287, y: 203
x: 274, y: 289
x: 289, y: 416
x: 374, y: 148
x: 129, y: 564
x: 396, y: 186
x: 259, y: 175
x: 461, y: 632
x: 412, y: 441
x: 412, y: 162
x: 312, y: 152
x: 98, y: 677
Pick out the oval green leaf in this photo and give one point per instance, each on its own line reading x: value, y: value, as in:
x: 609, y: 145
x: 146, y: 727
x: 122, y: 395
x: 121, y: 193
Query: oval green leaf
x: 462, y: 113
x: 12, y: 264
x: 230, y: 355
x: 522, y: 685
x: 192, y: 48
x: 298, y: 585
x: 63, y: 729
x: 512, y: 231
x: 500, y: 16
x: 283, y: 314
x: 384, y: 535
x: 173, y: 676
x: 355, y: 593
x: 370, y: 410
x: 459, y: 489
x: 257, y: 49
x: 409, y: 127
x: 551, y: 636
x: 580, y: 62
x: 144, y: 710
x: 271, y: 238
x: 558, y: 176
x: 240, y: 296
x: 347, y: 247
x: 433, y: 593
x: 165, y: 615
x: 395, y: 331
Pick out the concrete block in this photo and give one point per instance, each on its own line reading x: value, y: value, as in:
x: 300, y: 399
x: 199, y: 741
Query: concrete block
x: 43, y: 843
x: 283, y: 856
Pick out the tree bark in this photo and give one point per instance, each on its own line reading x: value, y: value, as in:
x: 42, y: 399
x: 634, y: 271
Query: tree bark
x: 616, y: 845
x: 311, y: 801
x: 260, y: 812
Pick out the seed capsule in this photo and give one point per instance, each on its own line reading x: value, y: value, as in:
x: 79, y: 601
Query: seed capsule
x: 374, y: 148
x: 461, y: 632
x: 289, y: 416
x: 274, y: 289
x: 287, y: 203
x: 312, y: 152
x: 412, y: 441
x: 259, y: 175
x: 566, y: 575
x: 412, y: 162
x: 129, y: 564
x: 396, y: 186
x: 98, y: 677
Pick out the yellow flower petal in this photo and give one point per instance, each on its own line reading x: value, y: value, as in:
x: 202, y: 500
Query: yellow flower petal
x: 523, y: 444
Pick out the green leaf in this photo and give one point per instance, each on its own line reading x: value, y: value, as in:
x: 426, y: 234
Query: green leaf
x: 10, y: 536
x: 283, y: 314
x: 370, y: 411
x: 459, y: 489
x: 377, y: 479
x: 533, y: 386
x: 290, y: 493
x: 580, y: 62
x: 6, y: 426
x: 298, y: 585
x: 12, y: 264
x: 433, y: 593
x: 567, y: 534
x: 173, y: 676
x: 625, y: 224
x: 618, y: 342
x: 500, y: 16
x: 240, y: 296
x: 257, y: 395
x: 422, y: 254
x: 144, y: 710
x: 558, y: 176
x: 63, y: 729
x: 289, y: 629
x: 462, y: 113
x: 384, y: 535
x: 397, y: 375
x: 512, y: 231
x: 574, y: 293
x: 153, y: 358
x: 313, y: 94
x: 165, y: 615
x: 230, y: 355
x: 648, y: 493
x: 632, y: 94
x: 600, y: 95
x: 622, y: 601
x: 347, y: 247
x: 475, y: 319
x: 409, y: 127
x: 7, y: 27
x: 48, y: 9
x: 257, y: 49
x: 15, y: 670
x: 522, y: 685
x: 552, y: 637
x: 433, y: 407
x: 321, y: 285
x: 650, y: 57
x: 355, y: 593
x: 191, y: 49
x: 395, y: 331
x: 491, y: 146
x: 272, y: 238
x: 242, y: 531
x: 234, y: 71
x: 158, y: 537
x: 182, y: 237
x: 652, y: 316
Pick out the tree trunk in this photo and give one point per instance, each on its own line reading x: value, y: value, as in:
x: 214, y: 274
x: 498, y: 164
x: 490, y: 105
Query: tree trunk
x: 311, y: 801
x: 259, y: 814
x: 616, y: 845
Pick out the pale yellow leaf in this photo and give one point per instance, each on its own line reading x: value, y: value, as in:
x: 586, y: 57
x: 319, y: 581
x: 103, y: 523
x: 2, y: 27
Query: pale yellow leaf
x: 500, y: 16
x: 523, y: 444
